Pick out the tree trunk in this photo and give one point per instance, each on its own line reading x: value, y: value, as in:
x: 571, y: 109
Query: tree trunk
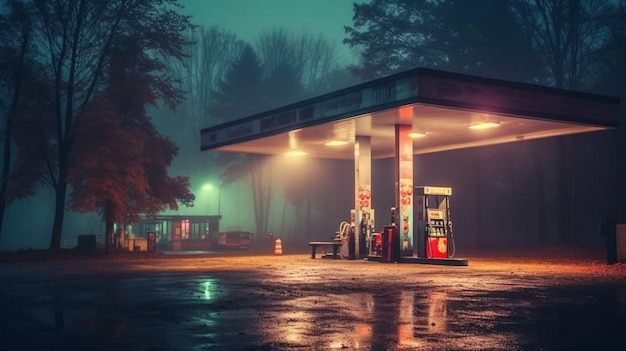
x: 256, y: 202
x: 8, y: 128
x: 476, y: 200
x: 6, y: 164
x: 59, y: 213
x: 565, y: 191
x: 109, y: 226
x: 262, y: 194
x: 60, y: 191
x: 621, y: 170
x: 282, y: 223
x: 540, y: 202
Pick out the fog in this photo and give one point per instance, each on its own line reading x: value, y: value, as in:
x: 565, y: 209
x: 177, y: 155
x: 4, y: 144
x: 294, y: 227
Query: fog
x: 496, y: 189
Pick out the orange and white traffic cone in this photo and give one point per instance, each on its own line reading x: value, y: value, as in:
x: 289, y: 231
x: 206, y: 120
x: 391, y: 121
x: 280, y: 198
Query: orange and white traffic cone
x: 278, y: 248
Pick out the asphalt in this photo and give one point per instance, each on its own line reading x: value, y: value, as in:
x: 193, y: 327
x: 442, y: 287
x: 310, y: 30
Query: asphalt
x: 535, y: 300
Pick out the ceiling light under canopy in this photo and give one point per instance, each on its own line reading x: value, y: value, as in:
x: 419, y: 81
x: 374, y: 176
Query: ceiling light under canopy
x: 335, y: 143
x: 295, y: 153
x: 484, y: 125
x: 417, y: 135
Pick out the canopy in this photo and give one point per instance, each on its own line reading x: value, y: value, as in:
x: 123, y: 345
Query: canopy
x: 446, y: 111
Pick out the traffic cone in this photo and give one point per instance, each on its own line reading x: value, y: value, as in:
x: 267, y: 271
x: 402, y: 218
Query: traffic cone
x: 278, y: 248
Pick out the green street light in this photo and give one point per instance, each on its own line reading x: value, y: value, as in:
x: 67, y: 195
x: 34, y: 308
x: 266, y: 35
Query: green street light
x: 211, y: 187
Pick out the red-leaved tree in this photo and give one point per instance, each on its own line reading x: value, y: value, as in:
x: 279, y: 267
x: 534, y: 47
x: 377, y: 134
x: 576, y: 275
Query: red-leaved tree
x: 77, y: 42
x: 120, y: 163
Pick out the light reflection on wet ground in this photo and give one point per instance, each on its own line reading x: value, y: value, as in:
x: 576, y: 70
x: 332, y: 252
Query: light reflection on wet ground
x: 293, y: 302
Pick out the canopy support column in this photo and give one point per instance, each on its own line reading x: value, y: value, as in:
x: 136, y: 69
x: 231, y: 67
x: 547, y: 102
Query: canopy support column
x: 404, y: 189
x: 363, y: 189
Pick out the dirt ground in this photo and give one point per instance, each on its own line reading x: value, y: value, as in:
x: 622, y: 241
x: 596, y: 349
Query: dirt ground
x: 549, y: 299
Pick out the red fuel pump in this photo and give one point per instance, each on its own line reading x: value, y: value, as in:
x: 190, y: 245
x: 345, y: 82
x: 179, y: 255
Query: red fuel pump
x: 376, y: 244
x: 436, y: 236
x: 434, y: 224
x: 390, y: 247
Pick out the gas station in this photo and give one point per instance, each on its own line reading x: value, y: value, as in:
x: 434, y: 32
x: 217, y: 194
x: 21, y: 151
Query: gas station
x: 413, y: 112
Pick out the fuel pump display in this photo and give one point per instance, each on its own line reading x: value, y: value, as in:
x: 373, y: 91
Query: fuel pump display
x: 434, y: 224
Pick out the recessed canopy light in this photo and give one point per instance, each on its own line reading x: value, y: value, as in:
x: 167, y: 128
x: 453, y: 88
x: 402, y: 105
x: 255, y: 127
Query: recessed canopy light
x: 417, y: 135
x: 484, y: 125
x: 335, y: 143
x: 295, y: 153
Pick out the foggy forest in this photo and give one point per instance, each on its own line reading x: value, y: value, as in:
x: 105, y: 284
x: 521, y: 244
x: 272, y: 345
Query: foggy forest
x: 102, y: 103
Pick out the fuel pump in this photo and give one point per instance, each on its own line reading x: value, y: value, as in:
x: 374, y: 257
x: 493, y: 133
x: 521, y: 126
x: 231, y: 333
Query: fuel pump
x: 434, y: 224
x: 366, y: 231
x: 363, y: 232
x: 345, y: 234
x: 390, y: 248
x: 361, y: 227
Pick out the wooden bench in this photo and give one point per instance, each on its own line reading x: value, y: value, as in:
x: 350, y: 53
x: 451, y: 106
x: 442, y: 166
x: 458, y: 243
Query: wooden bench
x: 334, y: 244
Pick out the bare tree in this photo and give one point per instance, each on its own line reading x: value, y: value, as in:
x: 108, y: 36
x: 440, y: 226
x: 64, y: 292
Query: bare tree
x: 311, y: 58
x: 16, y: 36
x: 613, y: 76
x: 569, y: 36
x: 209, y: 55
x: 76, y: 38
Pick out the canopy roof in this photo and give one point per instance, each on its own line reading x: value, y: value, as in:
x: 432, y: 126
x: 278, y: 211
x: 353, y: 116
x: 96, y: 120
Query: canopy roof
x: 440, y: 105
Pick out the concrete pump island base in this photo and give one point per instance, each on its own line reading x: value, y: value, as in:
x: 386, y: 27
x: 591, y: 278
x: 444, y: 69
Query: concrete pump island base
x: 434, y: 232
x: 410, y: 113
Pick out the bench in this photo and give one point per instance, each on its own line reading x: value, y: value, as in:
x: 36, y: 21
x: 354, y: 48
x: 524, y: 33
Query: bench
x: 334, y: 244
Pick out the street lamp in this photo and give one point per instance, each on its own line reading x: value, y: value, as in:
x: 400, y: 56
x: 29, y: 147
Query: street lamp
x: 210, y: 187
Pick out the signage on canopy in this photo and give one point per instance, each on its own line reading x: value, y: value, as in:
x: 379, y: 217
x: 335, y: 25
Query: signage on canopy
x: 351, y: 103
x: 518, y: 99
x: 424, y: 86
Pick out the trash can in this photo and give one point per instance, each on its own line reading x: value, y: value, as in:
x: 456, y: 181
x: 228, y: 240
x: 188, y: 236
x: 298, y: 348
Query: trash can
x: 390, y: 244
x: 151, y: 244
x: 620, y: 242
x: 608, y: 231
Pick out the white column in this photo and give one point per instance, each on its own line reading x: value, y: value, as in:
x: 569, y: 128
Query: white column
x: 404, y: 187
x: 363, y: 185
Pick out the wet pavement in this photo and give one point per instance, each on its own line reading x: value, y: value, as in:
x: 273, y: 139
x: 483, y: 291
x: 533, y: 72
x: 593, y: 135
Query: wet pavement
x: 293, y: 302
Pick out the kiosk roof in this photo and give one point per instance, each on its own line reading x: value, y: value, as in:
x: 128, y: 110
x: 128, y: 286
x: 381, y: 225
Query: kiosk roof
x: 442, y: 107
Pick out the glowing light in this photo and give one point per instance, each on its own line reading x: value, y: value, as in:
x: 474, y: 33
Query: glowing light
x: 484, y: 125
x: 207, y: 290
x: 335, y: 143
x: 210, y: 289
x: 417, y: 135
x: 405, y: 113
x: 295, y: 153
x: 208, y: 187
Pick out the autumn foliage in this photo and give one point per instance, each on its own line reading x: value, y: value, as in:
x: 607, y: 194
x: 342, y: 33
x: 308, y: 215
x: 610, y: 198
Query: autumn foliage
x: 120, y: 162
x: 121, y: 171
